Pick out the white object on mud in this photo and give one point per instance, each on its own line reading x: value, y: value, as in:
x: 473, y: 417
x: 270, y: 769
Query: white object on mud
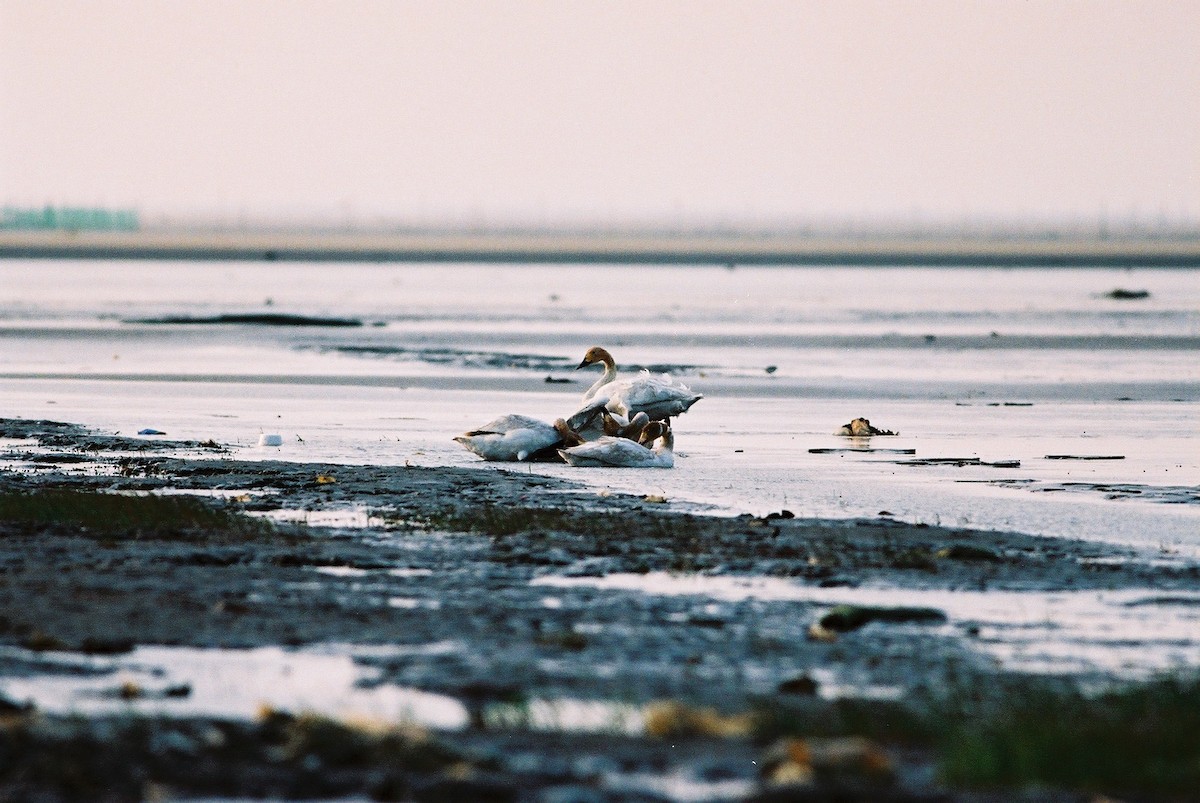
x: 270, y: 440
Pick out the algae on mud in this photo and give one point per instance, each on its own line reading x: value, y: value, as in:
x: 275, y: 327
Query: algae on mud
x: 107, y: 516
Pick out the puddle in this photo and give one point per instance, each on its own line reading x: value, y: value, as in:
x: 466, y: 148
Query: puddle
x: 413, y: 603
x: 342, y: 571
x: 228, y: 683
x: 1115, y: 633
x: 683, y: 786
x: 238, y: 684
x: 563, y: 715
x: 333, y: 519
x: 406, y: 572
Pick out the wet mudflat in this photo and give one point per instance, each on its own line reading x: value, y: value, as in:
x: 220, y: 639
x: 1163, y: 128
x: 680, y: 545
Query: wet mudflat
x: 690, y: 642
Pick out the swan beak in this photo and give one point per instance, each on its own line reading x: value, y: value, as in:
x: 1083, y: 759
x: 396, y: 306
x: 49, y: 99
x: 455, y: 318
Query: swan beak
x: 583, y: 364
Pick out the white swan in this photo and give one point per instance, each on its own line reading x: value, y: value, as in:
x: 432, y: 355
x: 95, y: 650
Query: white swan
x: 657, y: 397
x: 518, y: 437
x: 617, y: 452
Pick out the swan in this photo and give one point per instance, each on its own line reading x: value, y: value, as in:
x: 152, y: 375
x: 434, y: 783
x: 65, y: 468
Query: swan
x: 861, y: 427
x: 518, y: 437
x: 617, y: 452
x: 658, y: 397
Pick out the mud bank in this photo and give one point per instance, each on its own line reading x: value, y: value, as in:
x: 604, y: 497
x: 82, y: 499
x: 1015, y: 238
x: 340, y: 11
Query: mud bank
x: 505, y: 591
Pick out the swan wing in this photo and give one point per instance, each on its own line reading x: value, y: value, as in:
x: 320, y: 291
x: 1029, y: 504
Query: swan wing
x: 586, y: 414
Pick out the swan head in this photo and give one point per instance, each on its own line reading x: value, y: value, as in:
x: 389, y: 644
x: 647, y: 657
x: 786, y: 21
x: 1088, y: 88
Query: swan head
x: 652, y: 432
x: 597, y: 355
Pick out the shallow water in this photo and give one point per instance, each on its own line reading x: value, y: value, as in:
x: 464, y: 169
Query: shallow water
x: 1102, y: 633
x: 999, y: 365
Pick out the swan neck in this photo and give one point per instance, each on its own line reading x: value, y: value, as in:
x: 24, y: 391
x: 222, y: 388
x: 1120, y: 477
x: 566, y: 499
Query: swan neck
x: 610, y: 375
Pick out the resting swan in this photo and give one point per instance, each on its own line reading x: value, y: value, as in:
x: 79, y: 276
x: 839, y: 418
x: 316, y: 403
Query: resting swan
x: 518, y: 437
x: 617, y: 452
x: 657, y: 397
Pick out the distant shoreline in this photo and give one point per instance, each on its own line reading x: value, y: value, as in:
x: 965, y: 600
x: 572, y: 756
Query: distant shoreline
x: 733, y: 248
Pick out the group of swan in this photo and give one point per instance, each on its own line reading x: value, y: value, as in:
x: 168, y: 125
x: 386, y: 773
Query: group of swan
x: 622, y: 423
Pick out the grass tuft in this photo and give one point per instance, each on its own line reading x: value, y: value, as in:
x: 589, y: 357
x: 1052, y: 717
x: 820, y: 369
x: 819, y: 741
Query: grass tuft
x: 501, y: 520
x: 1135, y: 740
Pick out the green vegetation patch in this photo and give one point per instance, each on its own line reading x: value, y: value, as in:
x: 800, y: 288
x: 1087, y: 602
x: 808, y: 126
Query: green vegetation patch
x: 1137, y: 740
x: 890, y: 721
x: 104, y: 515
x: 501, y: 520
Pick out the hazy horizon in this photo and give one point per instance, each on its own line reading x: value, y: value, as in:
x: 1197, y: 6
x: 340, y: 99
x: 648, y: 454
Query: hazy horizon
x: 672, y: 114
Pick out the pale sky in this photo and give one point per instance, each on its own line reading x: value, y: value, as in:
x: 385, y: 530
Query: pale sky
x: 617, y: 112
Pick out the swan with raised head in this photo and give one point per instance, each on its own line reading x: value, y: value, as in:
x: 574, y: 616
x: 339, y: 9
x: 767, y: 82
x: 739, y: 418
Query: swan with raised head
x: 617, y: 452
x: 519, y: 437
x: 658, y: 397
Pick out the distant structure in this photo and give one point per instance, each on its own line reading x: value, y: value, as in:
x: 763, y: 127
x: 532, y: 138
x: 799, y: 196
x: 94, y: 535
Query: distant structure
x: 68, y: 218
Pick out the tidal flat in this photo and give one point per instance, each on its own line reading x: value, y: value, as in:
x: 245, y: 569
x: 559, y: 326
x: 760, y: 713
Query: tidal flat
x: 176, y: 622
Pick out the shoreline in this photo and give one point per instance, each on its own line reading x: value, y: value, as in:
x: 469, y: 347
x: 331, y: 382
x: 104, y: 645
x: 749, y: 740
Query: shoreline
x: 645, y: 248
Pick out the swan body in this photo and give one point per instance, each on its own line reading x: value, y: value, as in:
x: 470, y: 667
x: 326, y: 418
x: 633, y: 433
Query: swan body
x: 617, y: 452
x: 658, y: 397
x: 514, y: 437
x: 618, y: 426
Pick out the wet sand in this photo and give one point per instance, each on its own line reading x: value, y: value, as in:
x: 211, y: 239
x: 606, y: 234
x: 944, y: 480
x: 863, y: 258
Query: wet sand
x: 508, y: 572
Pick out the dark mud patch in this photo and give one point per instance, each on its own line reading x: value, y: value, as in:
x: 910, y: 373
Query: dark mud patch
x: 1123, y: 294
x: 1161, y: 494
x: 958, y: 462
x: 845, y: 618
x: 462, y: 358
x: 468, y: 358
x: 862, y: 450
x: 1085, y: 457
x: 72, y: 441
x: 250, y: 319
